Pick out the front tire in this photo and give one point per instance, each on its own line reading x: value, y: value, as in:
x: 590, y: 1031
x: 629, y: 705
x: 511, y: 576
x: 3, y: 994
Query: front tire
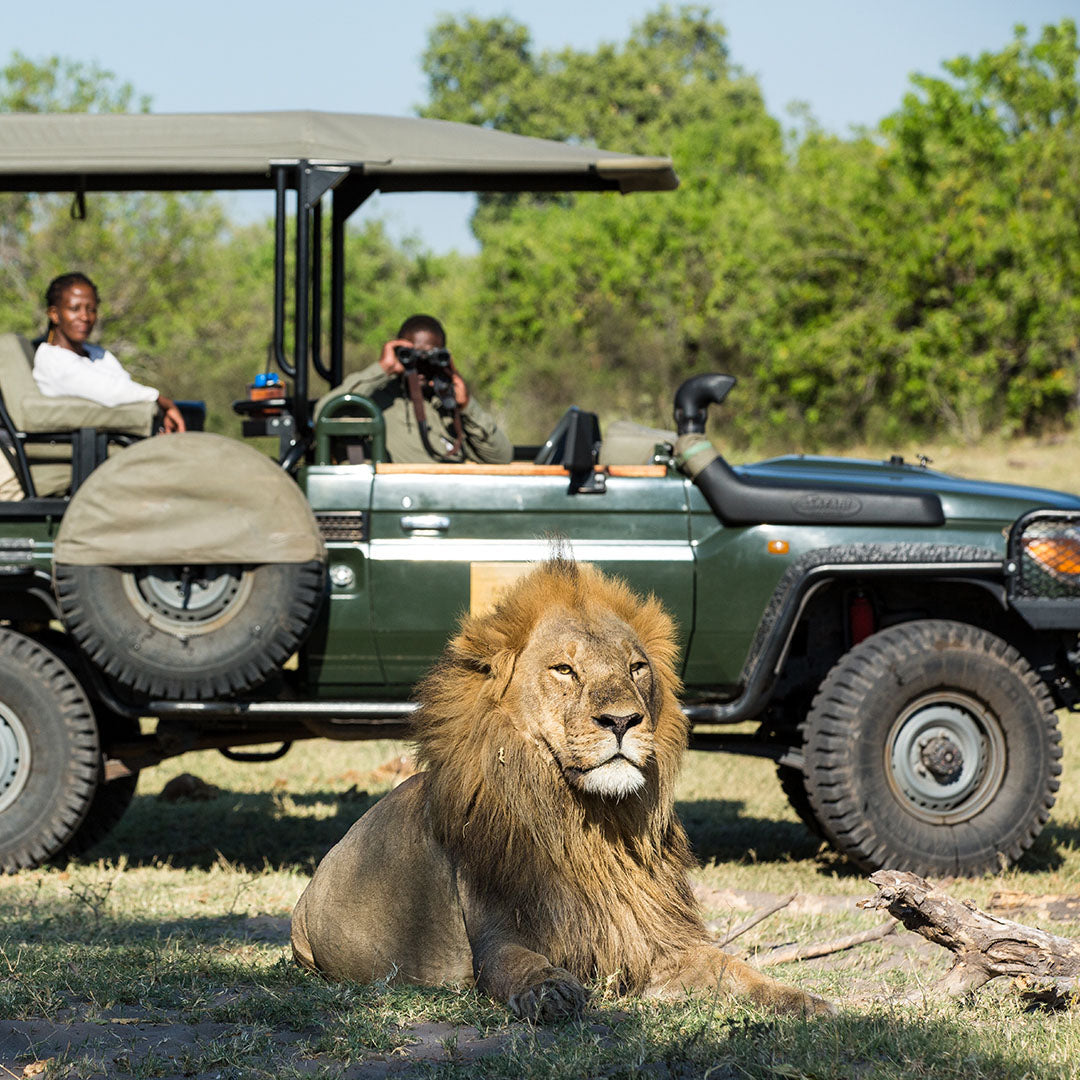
x: 932, y: 747
x: 49, y: 754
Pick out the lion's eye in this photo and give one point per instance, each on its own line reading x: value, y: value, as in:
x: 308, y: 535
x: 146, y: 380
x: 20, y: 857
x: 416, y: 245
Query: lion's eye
x: 562, y: 669
x: 639, y: 666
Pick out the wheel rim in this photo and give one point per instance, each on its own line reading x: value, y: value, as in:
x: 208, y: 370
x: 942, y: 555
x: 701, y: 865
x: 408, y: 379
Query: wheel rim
x: 14, y: 757
x: 186, y: 600
x: 945, y: 757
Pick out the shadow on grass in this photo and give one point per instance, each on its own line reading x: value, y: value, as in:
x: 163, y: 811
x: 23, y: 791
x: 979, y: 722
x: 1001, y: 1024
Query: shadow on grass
x: 365, y: 1035
x: 253, y: 831
x: 897, y: 1045
x: 721, y: 831
x: 249, y: 831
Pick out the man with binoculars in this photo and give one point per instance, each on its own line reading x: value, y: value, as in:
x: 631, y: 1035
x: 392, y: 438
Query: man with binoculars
x: 429, y: 413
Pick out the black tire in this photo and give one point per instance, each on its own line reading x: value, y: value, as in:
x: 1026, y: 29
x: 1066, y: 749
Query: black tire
x: 793, y: 783
x: 932, y: 747
x: 190, y: 632
x: 49, y: 753
x: 112, y: 797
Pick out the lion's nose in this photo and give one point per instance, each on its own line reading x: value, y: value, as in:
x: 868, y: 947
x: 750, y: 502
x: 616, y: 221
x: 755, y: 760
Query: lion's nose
x: 618, y: 724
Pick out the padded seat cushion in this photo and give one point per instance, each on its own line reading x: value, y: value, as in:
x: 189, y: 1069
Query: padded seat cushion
x: 31, y: 411
x: 34, y: 413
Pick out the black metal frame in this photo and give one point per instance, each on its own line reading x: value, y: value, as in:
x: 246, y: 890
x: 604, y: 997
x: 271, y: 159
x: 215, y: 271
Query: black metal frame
x: 1057, y: 609
x: 348, y: 191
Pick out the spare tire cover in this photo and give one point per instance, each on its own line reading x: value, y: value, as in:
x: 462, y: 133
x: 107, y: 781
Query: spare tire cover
x: 188, y: 498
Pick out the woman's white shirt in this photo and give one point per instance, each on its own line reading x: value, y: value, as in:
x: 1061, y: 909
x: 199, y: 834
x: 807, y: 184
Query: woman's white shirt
x: 99, y: 376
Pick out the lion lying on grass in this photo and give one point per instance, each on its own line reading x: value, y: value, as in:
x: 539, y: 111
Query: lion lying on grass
x: 540, y: 848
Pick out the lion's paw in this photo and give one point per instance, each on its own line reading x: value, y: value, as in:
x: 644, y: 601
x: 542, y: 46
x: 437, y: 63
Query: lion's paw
x: 818, y: 1006
x: 556, y: 995
x: 788, y: 999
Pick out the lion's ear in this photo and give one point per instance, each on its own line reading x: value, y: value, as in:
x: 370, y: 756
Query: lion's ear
x: 500, y: 672
x: 495, y: 665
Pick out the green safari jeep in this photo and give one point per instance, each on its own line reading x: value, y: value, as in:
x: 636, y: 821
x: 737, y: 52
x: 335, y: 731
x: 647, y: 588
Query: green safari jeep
x: 897, y: 640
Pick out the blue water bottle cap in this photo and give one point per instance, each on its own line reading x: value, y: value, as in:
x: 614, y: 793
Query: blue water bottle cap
x: 260, y: 379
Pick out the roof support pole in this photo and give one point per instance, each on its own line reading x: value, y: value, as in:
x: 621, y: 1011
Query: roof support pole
x: 280, y: 183
x: 301, y: 299
x: 316, y: 293
x: 312, y: 182
x: 346, y: 199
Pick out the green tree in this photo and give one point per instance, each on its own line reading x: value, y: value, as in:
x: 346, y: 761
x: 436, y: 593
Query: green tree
x: 594, y: 291
x: 983, y: 175
x: 919, y: 278
x: 932, y: 269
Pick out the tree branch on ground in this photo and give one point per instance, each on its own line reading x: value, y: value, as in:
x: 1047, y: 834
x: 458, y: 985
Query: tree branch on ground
x: 1046, y: 966
x: 789, y: 953
x: 757, y: 917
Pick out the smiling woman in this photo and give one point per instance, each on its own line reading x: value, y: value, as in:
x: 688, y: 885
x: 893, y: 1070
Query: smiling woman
x: 67, y: 364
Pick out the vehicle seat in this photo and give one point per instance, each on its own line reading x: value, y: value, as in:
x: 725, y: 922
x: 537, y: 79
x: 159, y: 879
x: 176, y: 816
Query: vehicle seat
x: 40, y: 422
x: 628, y: 443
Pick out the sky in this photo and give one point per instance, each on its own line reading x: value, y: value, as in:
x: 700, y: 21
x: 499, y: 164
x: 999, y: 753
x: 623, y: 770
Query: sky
x: 850, y: 60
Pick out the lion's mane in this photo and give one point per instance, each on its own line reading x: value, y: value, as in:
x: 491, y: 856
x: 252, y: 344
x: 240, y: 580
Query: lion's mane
x: 598, y: 885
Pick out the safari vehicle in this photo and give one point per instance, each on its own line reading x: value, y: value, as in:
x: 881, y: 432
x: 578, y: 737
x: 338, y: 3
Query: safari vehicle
x: 895, y: 639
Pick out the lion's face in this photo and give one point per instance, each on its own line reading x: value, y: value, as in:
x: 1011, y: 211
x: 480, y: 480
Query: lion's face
x: 585, y: 691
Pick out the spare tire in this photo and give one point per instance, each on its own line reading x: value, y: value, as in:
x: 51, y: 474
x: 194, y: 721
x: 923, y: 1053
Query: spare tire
x: 188, y: 566
x: 190, y: 631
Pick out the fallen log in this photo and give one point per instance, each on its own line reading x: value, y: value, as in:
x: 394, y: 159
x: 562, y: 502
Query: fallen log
x: 985, y: 946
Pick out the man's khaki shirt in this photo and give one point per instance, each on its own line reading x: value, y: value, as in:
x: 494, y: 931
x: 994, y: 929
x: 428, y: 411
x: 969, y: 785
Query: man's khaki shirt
x: 483, y: 442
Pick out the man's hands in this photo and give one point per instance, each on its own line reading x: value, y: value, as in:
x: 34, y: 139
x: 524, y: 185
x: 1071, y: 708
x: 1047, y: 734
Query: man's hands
x: 461, y: 391
x: 389, y: 362
x: 173, y: 419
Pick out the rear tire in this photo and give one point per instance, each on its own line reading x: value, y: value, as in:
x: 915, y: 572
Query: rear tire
x: 112, y: 797
x: 49, y: 754
x: 932, y: 747
x: 793, y: 784
x: 191, y: 631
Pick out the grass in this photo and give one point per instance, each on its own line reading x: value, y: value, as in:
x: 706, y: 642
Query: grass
x: 165, y: 954
x: 179, y: 927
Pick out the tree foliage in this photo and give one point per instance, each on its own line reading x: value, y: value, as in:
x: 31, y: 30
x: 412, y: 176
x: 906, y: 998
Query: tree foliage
x: 920, y: 278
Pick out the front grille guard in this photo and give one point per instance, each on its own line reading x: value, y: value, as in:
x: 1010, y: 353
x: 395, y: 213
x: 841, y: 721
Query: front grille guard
x: 1043, y: 569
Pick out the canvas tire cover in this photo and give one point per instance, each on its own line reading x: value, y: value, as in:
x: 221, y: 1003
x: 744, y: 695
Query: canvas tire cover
x: 188, y: 498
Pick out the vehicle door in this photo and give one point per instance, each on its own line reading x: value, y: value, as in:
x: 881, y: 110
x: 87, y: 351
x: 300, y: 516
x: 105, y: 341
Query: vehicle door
x: 340, y: 654
x: 446, y: 539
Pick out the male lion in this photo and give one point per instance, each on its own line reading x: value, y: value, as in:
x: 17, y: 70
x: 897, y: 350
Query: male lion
x: 540, y: 847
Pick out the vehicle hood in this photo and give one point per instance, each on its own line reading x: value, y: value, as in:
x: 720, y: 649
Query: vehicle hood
x: 960, y: 498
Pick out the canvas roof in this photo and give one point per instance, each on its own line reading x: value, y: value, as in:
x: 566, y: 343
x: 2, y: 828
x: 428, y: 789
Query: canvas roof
x: 148, y: 151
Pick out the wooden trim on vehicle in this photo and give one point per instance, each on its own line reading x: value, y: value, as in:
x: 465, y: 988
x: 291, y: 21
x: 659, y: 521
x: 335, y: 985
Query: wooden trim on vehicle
x: 514, y: 468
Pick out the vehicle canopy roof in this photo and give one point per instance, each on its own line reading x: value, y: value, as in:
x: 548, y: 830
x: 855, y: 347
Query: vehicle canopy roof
x: 346, y: 156
x: 229, y: 151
